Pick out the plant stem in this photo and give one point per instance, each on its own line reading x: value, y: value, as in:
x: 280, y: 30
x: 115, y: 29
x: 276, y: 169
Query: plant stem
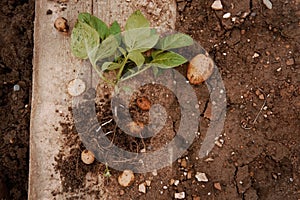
x: 100, y: 74
x: 122, y: 68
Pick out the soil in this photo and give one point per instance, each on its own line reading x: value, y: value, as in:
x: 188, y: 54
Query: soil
x: 16, y: 44
x: 257, y: 156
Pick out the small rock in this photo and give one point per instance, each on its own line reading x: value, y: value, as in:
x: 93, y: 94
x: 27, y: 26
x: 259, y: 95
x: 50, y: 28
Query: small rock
x: 16, y: 87
x: 189, y: 174
x: 217, y: 5
x: 226, y: 15
x: 268, y: 4
x: 290, y: 62
x: 183, y: 163
x: 148, y: 183
x: 261, y: 97
x: 165, y: 187
x: 122, y: 192
x: 180, y: 195
x: 142, y: 188
x: 154, y: 173
x: 181, y: 6
x: 218, y: 143
x: 217, y: 186
x: 126, y: 178
x: 209, y: 160
x: 255, y: 55
x: 279, y: 69
x: 176, y: 182
x: 201, y: 177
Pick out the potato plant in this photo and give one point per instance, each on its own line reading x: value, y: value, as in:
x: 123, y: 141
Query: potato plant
x: 128, y: 53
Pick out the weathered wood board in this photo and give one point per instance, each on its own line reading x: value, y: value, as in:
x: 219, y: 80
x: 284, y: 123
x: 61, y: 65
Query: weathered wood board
x: 55, y: 67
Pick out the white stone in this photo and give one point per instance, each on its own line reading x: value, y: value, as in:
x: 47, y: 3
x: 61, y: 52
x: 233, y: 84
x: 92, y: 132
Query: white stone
x: 255, y: 55
x: 180, y: 195
x: 142, y: 188
x: 226, y: 15
x: 217, y: 5
x: 201, y: 177
x: 268, y: 4
x: 176, y: 182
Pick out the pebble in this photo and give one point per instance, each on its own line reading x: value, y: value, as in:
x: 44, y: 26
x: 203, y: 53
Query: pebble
x: 217, y: 5
x: 226, y: 15
x: 148, y: 183
x: 154, y: 173
x: 122, y: 192
x: 279, y: 69
x: 142, y: 188
x: 16, y: 87
x: 290, y: 62
x: 176, y: 182
x: 183, y: 163
x: 209, y: 160
x: 217, y: 186
x: 219, y: 144
x: 261, y: 97
x: 189, y: 175
x: 268, y: 4
x: 201, y: 177
x: 180, y: 195
x: 255, y: 55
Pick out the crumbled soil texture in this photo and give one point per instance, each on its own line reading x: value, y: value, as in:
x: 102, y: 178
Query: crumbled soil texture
x: 16, y: 44
x: 257, y: 156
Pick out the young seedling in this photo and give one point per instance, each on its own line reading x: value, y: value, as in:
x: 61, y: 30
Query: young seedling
x: 126, y: 53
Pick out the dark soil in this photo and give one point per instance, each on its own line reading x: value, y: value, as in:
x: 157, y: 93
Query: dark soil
x: 260, y: 154
x: 16, y: 44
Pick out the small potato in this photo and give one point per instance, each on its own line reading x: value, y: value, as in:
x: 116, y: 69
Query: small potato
x: 87, y: 157
x: 126, y: 178
x: 200, y: 69
x: 143, y: 103
x: 61, y: 24
x: 135, y: 127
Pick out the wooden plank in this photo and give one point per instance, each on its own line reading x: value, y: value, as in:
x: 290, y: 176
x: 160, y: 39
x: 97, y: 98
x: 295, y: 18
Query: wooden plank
x: 55, y: 67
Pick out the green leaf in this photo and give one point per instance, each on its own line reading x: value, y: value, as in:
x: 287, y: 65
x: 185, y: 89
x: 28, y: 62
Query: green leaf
x: 106, y: 49
x: 141, y: 39
x: 137, y: 57
x: 136, y: 20
x: 123, y: 51
x: 155, y: 53
x: 168, y: 60
x: 84, y: 40
x: 95, y: 23
x: 110, y: 66
x: 114, y: 28
x: 174, y: 41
